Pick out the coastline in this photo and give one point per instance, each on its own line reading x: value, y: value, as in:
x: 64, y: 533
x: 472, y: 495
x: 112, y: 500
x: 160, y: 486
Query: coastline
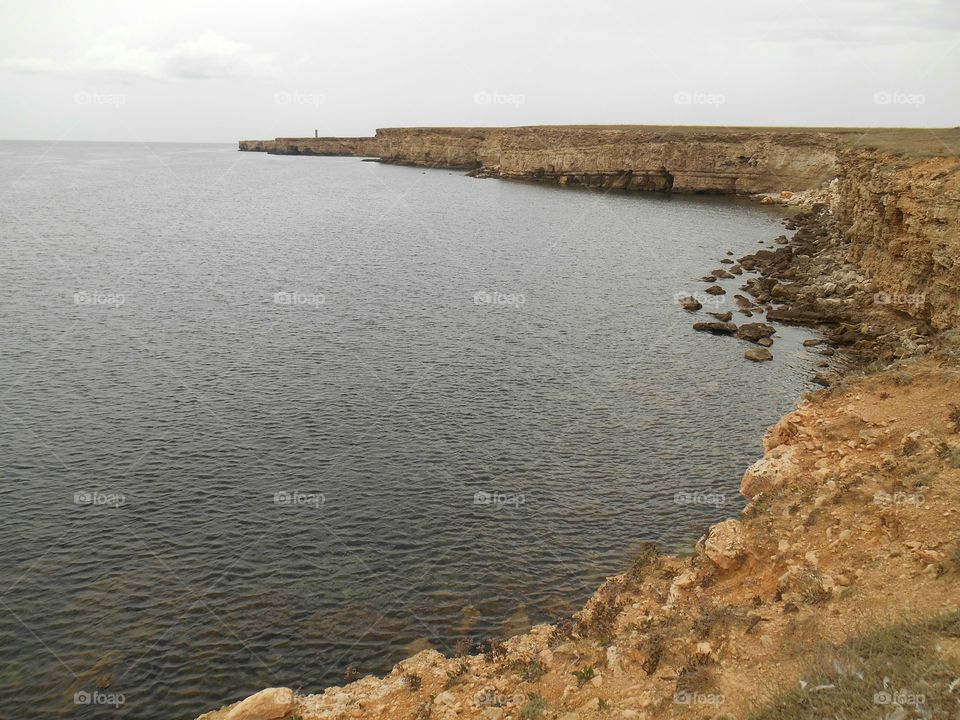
x: 850, y: 528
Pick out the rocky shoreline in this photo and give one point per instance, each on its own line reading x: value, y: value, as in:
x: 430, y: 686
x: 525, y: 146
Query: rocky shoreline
x: 809, y: 280
x: 835, y: 592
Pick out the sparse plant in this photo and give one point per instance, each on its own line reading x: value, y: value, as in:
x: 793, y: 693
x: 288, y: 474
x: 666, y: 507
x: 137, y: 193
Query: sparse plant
x: 534, y: 708
x: 867, y: 674
x: 954, y: 556
x: 902, y: 378
x: 648, y: 554
x: 414, y: 682
x: 534, y: 671
x: 462, y: 647
x: 454, y: 676
x: 603, y: 619
x: 563, y: 630
x: 954, y: 418
x: 713, y: 616
x: 696, y: 677
x: 654, y: 648
x: 495, y: 651
x: 584, y: 675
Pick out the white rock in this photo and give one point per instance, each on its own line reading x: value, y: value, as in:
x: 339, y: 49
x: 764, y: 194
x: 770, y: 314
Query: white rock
x: 768, y: 472
x: 724, y: 544
x: 269, y: 704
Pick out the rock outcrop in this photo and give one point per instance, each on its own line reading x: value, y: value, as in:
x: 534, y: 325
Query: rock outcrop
x: 901, y: 217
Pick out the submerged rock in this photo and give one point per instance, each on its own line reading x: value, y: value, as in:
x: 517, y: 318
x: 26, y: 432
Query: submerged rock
x: 722, y: 316
x: 758, y: 355
x: 717, y: 328
x: 754, y: 332
x: 715, y: 290
x: 689, y: 303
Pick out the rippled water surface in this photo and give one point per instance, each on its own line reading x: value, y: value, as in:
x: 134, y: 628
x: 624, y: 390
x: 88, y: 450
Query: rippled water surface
x: 155, y: 399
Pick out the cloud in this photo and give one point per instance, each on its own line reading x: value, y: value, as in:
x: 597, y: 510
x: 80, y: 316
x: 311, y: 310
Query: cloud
x: 208, y: 56
x: 212, y: 56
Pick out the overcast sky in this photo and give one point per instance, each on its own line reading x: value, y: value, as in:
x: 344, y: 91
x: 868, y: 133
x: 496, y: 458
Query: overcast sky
x: 219, y: 71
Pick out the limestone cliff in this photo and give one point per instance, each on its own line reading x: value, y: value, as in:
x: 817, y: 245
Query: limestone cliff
x: 638, y: 158
x: 903, y: 220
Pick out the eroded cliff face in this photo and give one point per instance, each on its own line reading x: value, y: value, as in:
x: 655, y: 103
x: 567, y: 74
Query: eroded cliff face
x: 327, y: 146
x: 647, y: 159
x: 902, y: 218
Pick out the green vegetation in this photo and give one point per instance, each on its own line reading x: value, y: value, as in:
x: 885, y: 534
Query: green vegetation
x: 584, y: 675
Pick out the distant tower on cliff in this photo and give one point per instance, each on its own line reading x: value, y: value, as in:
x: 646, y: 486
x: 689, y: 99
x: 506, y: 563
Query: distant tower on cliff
x: 316, y: 133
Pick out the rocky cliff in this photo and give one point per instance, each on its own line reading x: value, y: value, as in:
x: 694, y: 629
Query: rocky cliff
x: 902, y: 218
x: 640, y: 158
x: 325, y: 146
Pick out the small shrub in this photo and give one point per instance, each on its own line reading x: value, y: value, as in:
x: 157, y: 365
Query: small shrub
x: 414, y: 681
x: 534, y: 708
x: 654, y: 648
x: 563, y: 630
x: 495, y: 652
x: 462, y: 647
x: 696, y: 678
x: 584, y: 675
x: 534, y: 671
x: 648, y: 554
x: 454, y: 676
x: 603, y: 619
x: 955, y: 418
x: 954, y: 557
